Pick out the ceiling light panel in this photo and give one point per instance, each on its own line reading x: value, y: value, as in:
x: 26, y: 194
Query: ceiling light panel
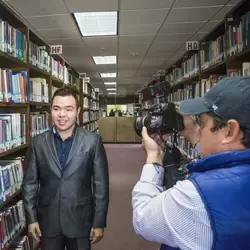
x: 111, y: 89
x: 108, y: 75
x: 97, y: 23
x: 104, y: 59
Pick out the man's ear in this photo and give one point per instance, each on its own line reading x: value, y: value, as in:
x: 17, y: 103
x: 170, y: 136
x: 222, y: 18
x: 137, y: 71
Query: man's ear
x: 232, y: 132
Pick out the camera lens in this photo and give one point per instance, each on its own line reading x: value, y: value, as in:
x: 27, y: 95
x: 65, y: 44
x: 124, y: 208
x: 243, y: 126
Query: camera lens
x: 139, y: 122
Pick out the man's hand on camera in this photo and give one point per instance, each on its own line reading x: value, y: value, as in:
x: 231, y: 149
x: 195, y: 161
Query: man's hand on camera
x: 154, y: 146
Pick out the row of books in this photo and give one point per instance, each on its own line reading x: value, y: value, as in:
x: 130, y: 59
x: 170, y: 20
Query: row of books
x: 236, y: 39
x: 12, y: 222
x: 39, y: 123
x: 187, y: 91
x: 91, y: 126
x: 11, y: 176
x: 184, y: 146
x: 12, y: 130
x: 88, y: 103
x: 57, y: 69
x: 21, y: 243
x: 13, y: 41
x: 39, y: 56
x: 213, y: 52
x: 14, y: 86
x: 88, y: 90
x: 39, y: 90
x: 239, y: 35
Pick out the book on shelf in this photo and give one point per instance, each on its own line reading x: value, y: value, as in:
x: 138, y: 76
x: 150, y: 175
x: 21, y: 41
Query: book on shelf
x: 39, y: 90
x: 57, y: 69
x: 213, y: 52
x: 54, y: 89
x: 12, y: 130
x: 14, y: 86
x: 13, y: 41
x: 39, y: 122
x: 21, y: 243
x: 91, y: 126
x: 39, y: 56
x: 184, y: 146
x: 12, y: 221
x: 11, y: 176
x: 238, y: 35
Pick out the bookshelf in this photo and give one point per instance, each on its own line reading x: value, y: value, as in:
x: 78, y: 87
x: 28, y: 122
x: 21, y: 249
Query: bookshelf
x: 224, y: 52
x: 29, y: 75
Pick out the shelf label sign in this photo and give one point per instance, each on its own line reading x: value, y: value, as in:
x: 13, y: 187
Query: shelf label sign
x: 192, y: 45
x: 56, y: 49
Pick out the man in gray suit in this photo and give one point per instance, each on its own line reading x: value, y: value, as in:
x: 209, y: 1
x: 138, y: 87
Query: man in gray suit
x: 66, y: 181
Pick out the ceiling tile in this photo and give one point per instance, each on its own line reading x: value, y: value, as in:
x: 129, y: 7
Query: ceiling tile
x: 198, y: 36
x: 75, y: 51
x: 135, y: 40
x: 209, y: 26
x: 222, y: 13
x: 126, y: 73
x: 164, y: 38
x: 59, y: 33
x: 142, y: 16
x: 142, y: 29
x: 192, y: 14
x: 101, y: 42
x: 66, y: 41
x: 149, y: 63
x: 145, y: 4
x: 192, y: 3
x: 36, y: 8
x: 63, y: 21
x: 234, y: 2
x: 132, y: 52
x: 128, y: 63
x: 101, y: 45
x: 91, y: 5
x: 177, y: 28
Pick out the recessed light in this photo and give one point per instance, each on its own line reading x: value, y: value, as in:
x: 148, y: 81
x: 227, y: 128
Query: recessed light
x: 112, y: 93
x: 97, y: 23
x: 111, y: 89
x: 110, y: 83
x: 104, y: 59
x: 108, y: 75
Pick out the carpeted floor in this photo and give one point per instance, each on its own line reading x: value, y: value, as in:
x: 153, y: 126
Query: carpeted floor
x: 125, y: 164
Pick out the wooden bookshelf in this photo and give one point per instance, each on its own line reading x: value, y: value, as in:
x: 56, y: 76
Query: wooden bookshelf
x: 31, y: 76
x: 222, y: 53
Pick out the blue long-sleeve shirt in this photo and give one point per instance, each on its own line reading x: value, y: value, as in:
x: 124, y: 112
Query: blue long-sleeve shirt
x: 176, y: 217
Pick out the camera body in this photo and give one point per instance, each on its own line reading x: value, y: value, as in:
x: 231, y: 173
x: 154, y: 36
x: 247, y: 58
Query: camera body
x: 163, y: 117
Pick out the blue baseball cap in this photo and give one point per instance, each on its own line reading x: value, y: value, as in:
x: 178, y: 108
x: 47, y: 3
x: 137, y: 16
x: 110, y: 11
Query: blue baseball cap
x: 229, y: 99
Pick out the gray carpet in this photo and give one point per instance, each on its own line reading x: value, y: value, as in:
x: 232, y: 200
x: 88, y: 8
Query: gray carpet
x: 125, y: 164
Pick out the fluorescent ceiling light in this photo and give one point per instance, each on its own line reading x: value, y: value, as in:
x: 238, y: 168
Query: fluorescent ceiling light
x: 108, y: 75
x: 110, y: 83
x: 97, y: 23
x: 104, y: 59
x: 113, y: 89
x: 112, y: 93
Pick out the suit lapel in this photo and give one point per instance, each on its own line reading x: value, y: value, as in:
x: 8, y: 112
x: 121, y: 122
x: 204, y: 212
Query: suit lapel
x: 75, y: 144
x: 52, y: 148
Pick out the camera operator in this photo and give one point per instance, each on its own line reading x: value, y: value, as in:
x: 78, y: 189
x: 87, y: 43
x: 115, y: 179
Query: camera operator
x: 211, y: 208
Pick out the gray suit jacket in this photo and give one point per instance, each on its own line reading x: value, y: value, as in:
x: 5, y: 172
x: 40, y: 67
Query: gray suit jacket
x: 72, y: 200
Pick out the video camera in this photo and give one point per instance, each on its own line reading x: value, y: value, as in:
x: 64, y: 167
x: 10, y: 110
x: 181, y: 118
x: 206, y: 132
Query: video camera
x: 162, y: 117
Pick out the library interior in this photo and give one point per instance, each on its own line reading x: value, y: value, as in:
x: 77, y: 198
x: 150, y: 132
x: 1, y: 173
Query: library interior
x: 110, y: 51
